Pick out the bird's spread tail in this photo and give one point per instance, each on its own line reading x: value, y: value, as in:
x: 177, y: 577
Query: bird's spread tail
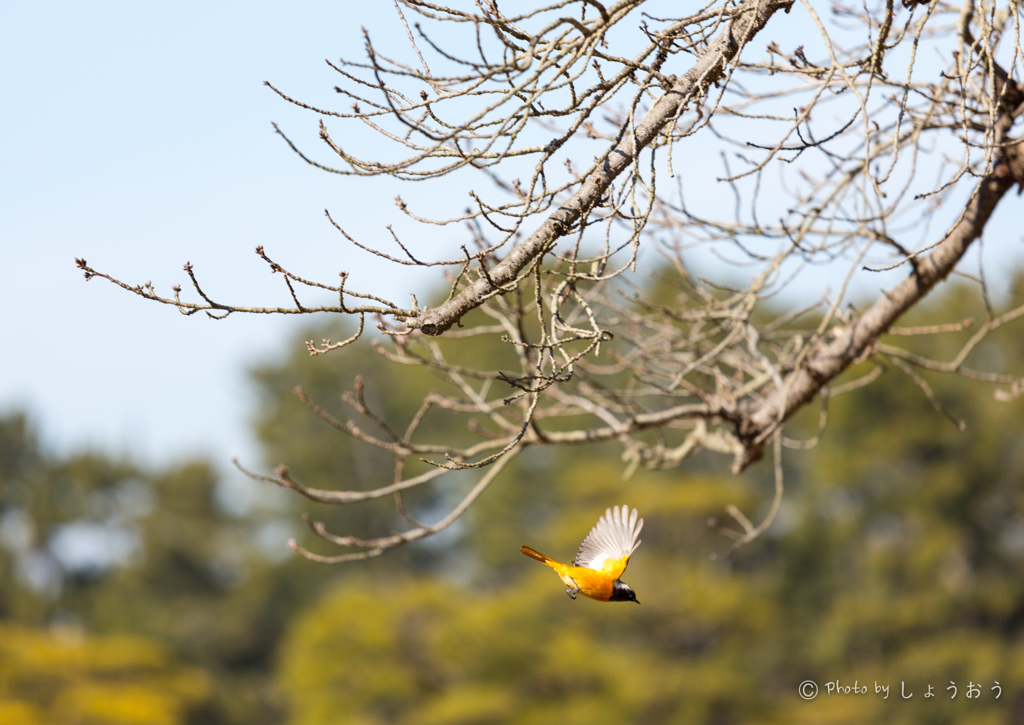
x: 534, y: 554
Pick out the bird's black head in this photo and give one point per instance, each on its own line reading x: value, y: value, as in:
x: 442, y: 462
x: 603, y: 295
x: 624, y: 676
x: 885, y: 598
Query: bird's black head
x: 622, y: 593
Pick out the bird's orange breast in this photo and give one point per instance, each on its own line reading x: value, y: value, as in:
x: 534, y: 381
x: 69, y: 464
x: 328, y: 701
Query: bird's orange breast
x: 594, y: 584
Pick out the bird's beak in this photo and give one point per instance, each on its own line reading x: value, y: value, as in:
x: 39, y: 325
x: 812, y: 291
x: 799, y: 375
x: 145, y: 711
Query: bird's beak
x: 637, y: 601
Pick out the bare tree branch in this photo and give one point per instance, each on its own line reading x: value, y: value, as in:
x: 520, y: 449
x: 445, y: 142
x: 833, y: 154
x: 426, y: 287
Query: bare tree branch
x: 830, y: 160
x: 854, y: 339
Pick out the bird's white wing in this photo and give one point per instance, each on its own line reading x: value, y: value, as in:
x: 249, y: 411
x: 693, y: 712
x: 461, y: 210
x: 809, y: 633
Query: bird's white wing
x: 611, y: 542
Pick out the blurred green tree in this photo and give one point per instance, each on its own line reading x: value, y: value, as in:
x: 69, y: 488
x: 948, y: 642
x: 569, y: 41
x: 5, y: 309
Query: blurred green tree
x: 896, y: 559
x: 103, y: 547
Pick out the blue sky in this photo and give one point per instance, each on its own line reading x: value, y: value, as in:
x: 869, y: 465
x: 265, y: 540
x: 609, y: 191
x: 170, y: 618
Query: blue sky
x: 138, y: 136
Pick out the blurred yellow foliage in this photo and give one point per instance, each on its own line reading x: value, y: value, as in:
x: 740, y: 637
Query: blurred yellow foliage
x: 61, y: 677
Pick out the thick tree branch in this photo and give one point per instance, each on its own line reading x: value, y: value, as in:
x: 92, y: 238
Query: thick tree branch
x: 693, y: 84
x: 854, y: 340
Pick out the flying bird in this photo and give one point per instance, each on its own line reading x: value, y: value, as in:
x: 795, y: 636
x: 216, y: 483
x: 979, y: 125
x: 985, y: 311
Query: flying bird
x: 602, y: 558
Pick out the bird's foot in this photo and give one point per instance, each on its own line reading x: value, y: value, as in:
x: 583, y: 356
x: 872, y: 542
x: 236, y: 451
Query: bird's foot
x: 572, y: 590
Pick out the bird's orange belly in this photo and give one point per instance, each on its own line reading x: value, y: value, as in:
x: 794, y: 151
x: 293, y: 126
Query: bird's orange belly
x: 593, y: 584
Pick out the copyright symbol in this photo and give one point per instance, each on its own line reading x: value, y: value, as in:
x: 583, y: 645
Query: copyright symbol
x: 808, y: 689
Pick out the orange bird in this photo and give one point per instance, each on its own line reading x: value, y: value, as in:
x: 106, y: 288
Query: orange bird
x: 602, y: 558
